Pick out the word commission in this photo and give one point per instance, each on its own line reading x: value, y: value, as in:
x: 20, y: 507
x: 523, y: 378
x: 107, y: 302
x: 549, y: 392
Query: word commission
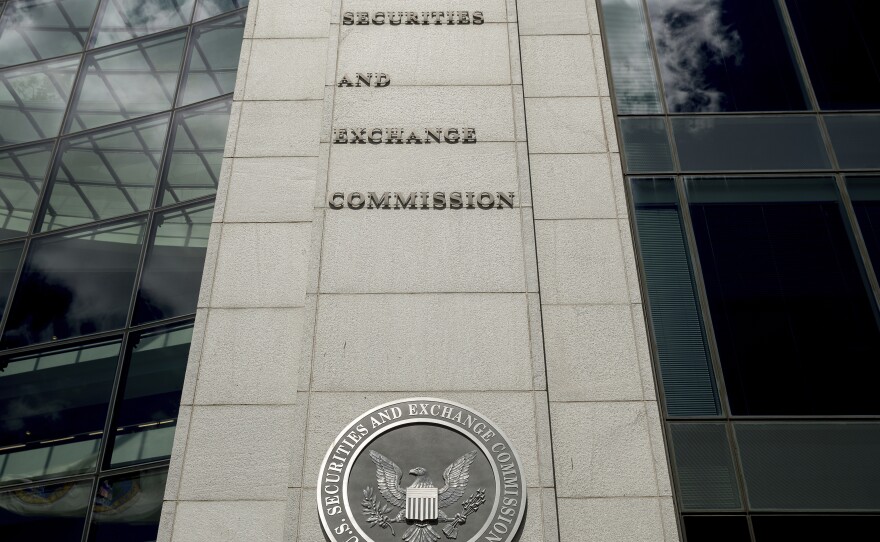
x: 395, y: 18
x: 421, y: 200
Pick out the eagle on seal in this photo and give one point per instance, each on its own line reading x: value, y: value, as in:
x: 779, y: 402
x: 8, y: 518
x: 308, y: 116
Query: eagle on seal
x: 388, y: 477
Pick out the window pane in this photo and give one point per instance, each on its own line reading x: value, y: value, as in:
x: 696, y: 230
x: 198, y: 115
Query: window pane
x: 645, y: 144
x: 841, y: 48
x: 810, y: 466
x: 173, y: 270
x: 865, y: 194
x: 209, y: 8
x: 813, y: 528
x: 106, y: 174
x: 150, y: 396
x: 128, y: 81
x: 33, y: 99
x: 855, y: 140
x: 724, y: 55
x: 121, y: 20
x: 679, y: 334
x: 21, y: 178
x: 749, y: 143
x: 213, y: 59
x: 9, y: 257
x: 793, y: 317
x: 717, y: 529
x: 197, y: 152
x: 703, y: 467
x: 127, y: 507
x: 50, y: 427
x: 632, y: 66
x: 44, y: 29
x: 75, y: 284
x: 54, y: 513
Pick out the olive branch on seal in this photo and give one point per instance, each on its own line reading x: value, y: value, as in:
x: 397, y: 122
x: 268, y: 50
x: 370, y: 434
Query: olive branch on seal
x: 468, y: 507
x: 377, y: 514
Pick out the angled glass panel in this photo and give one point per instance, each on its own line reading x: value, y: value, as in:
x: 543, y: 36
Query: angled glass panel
x: 812, y: 528
x: 106, y: 174
x: 724, y: 55
x: 49, y: 426
x: 43, y: 29
x: 209, y: 8
x: 632, y: 64
x: 676, y: 322
x: 56, y: 512
x: 75, y: 284
x: 120, y: 20
x: 213, y: 59
x: 22, y: 171
x: 740, y: 143
x: 841, y: 48
x: 197, y: 152
x: 10, y: 254
x: 792, y: 310
x: 33, y: 99
x: 127, y: 507
x: 128, y: 81
x: 146, y: 415
x: 855, y: 138
x: 173, y: 270
x: 646, y: 145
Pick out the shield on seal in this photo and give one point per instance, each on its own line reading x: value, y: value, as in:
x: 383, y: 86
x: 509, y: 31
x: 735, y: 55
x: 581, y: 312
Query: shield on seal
x: 421, y: 503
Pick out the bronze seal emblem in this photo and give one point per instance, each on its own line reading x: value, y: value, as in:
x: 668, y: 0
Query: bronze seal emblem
x: 421, y: 470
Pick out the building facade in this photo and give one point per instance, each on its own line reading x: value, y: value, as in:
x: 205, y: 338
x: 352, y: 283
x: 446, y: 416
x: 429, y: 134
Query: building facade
x: 638, y: 235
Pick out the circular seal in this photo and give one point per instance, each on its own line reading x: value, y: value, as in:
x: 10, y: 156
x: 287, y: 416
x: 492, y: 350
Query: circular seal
x: 421, y: 470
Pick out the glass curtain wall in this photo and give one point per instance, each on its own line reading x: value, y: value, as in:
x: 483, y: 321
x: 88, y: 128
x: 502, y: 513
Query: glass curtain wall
x: 748, y: 134
x: 113, y: 116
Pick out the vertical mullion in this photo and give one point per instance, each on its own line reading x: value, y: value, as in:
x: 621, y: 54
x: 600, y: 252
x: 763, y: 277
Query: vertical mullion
x: 121, y: 362
x: 702, y: 296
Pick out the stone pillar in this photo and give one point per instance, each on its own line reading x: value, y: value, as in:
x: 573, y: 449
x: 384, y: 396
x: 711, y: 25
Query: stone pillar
x: 611, y: 472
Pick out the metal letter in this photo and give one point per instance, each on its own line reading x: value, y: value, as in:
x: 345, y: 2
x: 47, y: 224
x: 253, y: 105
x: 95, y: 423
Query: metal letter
x: 505, y: 199
x: 332, y: 203
x: 410, y: 200
x: 439, y: 200
x: 373, y: 203
x: 452, y: 135
x: 351, y: 202
x: 481, y: 201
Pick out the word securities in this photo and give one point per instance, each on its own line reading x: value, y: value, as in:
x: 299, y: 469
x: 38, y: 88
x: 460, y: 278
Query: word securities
x: 395, y: 18
x: 421, y: 200
x: 377, y: 136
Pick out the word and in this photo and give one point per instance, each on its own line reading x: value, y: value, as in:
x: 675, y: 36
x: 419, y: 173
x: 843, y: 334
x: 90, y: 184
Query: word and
x: 366, y: 80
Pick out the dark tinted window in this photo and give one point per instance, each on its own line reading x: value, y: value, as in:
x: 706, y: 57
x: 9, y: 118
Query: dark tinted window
x: 146, y: 414
x: 792, y: 315
x: 704, y: 467
x: 173, y: 271
x: 814, y: 528
x: 841, y: 47
x: 75, y: 284
x: 717, y: 529
x: 127, y: 507
x: 47, y: 426
x: 865, y: 194
x: 31, y: 514
x: 645, y: 144
x: 9, y: 258
x: 855, y: 138
x: 724, y: 55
